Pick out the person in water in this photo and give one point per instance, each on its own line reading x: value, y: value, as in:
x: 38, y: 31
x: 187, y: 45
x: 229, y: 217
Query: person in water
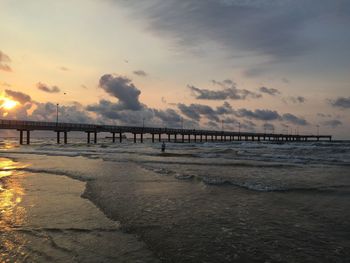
x: 163, y: 147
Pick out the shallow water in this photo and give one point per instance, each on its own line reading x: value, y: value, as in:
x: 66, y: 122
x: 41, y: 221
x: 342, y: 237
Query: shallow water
x: 213, y: 202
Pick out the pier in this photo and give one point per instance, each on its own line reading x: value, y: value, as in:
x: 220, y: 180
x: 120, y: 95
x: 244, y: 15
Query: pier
x: 156, y: 134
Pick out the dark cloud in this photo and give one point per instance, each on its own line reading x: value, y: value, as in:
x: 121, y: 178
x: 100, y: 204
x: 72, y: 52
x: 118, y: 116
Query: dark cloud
x: 140, y: 73
x: 294, y: 100
x: 294, y: 119
x: 123, y: 89
x: 129, y: 110
x: 152, y: 117
x: 268, y: 127
x: 272, y: 28
x: 195, y: 111
x: 106, y: 108
x: 226, y: 108
x: 169, y: 117
x: 332, y: 123
x: 341, y: 102
x: 18, y: 96
x: 270, y: 91
x: 263, y: 115
x: 4, y: 60
x: 46, y: 88
x: 228, y: 91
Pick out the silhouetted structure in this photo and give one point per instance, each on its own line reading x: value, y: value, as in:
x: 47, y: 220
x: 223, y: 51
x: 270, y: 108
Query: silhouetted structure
x: 25, y: 127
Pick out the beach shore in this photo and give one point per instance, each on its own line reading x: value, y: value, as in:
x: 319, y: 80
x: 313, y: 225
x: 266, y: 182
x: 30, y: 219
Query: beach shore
x: 44, y: 219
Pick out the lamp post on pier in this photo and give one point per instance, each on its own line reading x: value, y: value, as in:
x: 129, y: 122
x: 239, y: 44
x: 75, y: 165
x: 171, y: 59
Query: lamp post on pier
x: 57, y: 114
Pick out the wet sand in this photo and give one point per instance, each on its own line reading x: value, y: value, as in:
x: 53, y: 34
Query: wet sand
x: 44, y: 218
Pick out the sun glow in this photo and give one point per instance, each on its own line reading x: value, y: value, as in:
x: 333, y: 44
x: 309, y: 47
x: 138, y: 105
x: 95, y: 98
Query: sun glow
x: 8, y: 104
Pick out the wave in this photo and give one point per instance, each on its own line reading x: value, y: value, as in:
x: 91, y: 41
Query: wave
x: 255, y: 164
x: 74, y: 175
x: 65, y: 230
x: 261, y: 187
x: 248, y: 185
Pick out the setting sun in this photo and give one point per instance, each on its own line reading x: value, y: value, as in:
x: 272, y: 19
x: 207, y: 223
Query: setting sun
x: 8, y: 104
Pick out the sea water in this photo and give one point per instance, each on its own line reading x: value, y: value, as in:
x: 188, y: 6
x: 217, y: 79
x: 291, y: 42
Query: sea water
x: 209, y: 202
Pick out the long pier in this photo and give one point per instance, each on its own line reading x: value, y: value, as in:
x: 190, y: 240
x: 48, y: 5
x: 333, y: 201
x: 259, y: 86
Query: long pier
x: 176, y: 135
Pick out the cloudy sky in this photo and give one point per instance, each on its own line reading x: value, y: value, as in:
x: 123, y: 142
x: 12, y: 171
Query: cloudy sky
x: 274, y: 65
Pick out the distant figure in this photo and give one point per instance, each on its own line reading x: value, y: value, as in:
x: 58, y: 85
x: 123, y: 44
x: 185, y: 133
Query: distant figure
x: 163, y: 147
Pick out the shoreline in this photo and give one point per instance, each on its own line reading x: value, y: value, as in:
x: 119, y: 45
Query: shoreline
x: 44, y: 217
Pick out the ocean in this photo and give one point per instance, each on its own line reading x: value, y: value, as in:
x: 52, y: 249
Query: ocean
x: 197, y: 202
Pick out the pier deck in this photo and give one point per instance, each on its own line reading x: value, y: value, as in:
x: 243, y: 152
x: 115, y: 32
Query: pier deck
x: 177, y: 135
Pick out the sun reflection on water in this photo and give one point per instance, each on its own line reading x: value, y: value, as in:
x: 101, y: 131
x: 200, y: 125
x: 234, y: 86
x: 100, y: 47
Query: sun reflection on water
x: 12, y: 214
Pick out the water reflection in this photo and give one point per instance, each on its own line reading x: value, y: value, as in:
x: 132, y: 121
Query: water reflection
x: 12, y: 214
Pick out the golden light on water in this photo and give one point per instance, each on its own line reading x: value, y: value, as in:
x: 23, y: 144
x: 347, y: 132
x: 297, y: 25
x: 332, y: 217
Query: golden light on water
x: 11, y: 193
x: 12, y: 213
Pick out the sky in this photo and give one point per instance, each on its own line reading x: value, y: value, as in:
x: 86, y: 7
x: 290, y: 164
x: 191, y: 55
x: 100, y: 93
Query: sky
x: 262, y: 65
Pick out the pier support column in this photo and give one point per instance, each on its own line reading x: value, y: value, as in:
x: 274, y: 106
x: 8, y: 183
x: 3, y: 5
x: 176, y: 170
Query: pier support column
x: 95, y: 137
x: 206, y: 137
x: 201, y: 138
x: 141, y: 137
x: 159, y: 137
x: 216, y: 137
x: 169, y: 137
x: 58, y: 137
x: 20, y: 137
x: 195, y: 138
x: 65, y: 137
x: 113, y: 137
x: 120, y: 137
x: 183, y: 138
x: 153, y: 137
x: 212, y: 138
x: 134, y: 137
x: 175, y: 137
x: 28, y: 137
x: 189, y: 138
x: 88, y: 137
